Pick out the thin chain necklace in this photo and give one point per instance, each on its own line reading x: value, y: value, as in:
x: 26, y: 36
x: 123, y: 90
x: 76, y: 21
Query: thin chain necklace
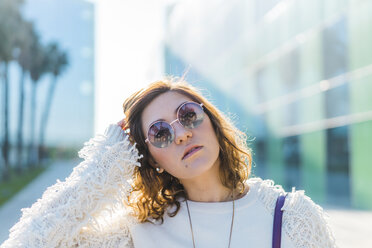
x: 231, y: 227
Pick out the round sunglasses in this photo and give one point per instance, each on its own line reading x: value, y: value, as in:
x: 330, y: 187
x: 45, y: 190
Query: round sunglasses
x: 161, y: 133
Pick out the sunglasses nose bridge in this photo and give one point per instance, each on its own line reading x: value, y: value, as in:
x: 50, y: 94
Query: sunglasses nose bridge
x: 176, y: 120
x: 181, y: 133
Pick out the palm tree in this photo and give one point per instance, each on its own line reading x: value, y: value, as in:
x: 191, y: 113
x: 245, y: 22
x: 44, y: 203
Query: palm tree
x: 57, y: 63
x: 38, y: 68
x: 28, y: 37
x: 10, y: 18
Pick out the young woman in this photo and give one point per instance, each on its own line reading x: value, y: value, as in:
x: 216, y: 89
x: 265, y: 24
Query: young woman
x: 173, y: 173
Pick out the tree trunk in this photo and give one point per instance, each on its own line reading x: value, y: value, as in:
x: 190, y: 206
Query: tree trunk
x: 32, y: 153
x: 45, y: 116
x: 5, y: 148
x: 19, y: 166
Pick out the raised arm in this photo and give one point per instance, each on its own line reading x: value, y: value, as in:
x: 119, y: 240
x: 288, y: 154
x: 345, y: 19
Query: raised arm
x: 70, y: 211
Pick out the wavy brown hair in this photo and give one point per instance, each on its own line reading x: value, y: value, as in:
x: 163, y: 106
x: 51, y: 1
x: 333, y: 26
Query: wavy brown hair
x: 152, y: 192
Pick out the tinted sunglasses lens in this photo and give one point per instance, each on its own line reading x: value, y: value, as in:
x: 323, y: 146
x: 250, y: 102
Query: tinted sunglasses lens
x: 191, y: 115
x: 161, y: 134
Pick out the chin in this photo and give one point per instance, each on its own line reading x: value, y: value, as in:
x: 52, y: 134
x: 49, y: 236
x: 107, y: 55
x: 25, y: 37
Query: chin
x: 198, y: 167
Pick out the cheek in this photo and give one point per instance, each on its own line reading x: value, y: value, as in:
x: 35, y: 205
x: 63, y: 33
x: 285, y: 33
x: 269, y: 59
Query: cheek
x: 208, y: 133
x: 160, y: 156
x: 209, y: 130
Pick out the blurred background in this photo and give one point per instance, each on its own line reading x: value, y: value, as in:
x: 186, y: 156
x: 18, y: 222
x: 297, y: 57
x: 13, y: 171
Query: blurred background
x: 294, y: 75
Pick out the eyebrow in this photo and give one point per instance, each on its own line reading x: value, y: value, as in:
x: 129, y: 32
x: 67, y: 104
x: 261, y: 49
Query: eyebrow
x: 175, y: 112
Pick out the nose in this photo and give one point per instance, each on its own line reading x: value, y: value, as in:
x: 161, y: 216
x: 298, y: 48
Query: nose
x: 182, y: 134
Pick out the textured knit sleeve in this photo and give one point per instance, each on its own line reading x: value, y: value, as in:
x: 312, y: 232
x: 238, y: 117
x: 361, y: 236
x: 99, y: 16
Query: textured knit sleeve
x: 73, y: 213
x: 304, y: 222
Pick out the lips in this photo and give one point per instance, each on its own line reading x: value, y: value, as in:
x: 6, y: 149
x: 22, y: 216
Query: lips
x: 191, y: 150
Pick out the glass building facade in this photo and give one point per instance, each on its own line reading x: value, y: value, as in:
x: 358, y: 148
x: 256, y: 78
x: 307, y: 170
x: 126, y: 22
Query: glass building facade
x: 296, y: 76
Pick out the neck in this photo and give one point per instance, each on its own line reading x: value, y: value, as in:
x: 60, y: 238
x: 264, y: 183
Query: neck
x: 207, y: 187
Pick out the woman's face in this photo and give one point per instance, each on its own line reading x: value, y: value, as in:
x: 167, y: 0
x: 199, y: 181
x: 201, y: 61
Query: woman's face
x: 171, y: 158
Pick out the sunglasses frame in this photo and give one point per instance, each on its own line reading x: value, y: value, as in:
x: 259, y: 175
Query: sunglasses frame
x: 171, y: 123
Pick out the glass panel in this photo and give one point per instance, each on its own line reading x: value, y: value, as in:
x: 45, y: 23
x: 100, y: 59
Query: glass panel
x: 338, y: 183
x: 291, y: 156
x: 335, y: 54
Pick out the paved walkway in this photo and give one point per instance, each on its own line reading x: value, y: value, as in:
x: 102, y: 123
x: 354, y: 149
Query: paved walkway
x: 351, y: 228
x: 11, y: 211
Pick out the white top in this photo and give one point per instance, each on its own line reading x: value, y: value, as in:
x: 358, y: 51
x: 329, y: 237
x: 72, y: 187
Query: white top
x: 88, y: 209
x: 253, y: 225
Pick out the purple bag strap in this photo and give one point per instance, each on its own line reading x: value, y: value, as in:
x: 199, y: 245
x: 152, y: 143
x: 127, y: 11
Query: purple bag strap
x: 277, y: 226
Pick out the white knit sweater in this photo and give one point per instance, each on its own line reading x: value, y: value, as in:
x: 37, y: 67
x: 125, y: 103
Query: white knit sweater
x: 88, y: 208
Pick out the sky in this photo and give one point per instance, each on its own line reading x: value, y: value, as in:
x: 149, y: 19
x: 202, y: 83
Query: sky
x: 115, y: 48
x: 129, y: 49
x: 71, y: 24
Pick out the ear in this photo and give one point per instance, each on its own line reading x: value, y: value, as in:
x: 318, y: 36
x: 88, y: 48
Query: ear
x: 155, y: 165
x: 152, y: 162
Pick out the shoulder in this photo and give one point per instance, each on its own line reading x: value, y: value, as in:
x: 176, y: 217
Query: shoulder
x: 304, y: 222
x: 267, y: 192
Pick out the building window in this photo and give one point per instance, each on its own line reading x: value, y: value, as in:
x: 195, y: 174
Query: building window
x: 335, y: 44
